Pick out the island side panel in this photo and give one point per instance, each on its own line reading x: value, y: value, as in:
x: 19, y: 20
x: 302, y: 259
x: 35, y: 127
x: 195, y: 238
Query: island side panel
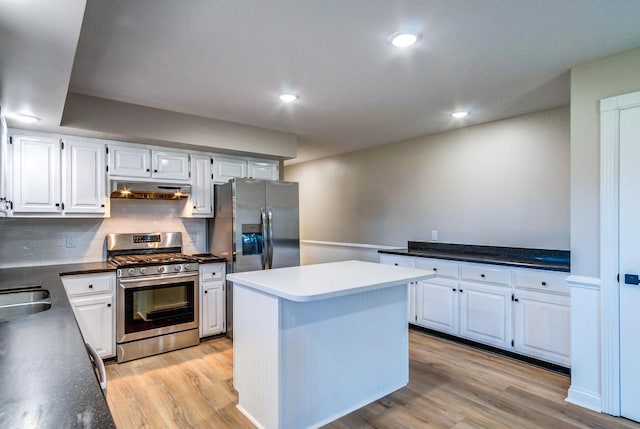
x: 340, y: 354
x: 255, y: 355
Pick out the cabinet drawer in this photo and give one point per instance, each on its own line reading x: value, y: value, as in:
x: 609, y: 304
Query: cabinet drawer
x: 541, y: 280
x: 211, y: 272
x: 485, y: 273
x: 439, y: 267
x: 88, y: 284
x: 397, y: 260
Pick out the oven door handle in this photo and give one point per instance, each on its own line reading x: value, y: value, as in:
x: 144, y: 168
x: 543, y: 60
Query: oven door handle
x: 126, y: 283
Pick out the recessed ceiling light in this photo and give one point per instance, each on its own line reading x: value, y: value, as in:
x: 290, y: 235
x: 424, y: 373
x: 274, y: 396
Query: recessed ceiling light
x: 288, y: 98
x: 403, y: 40
x: 460, y: 115
x: 27, y: 119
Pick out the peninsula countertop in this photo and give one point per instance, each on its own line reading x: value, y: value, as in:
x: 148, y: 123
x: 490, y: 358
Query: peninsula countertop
x: 46, y: 377
x: 323, y: 281
x: 540, y: 259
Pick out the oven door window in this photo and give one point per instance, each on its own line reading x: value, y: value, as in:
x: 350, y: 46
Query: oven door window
x: 157, y: 306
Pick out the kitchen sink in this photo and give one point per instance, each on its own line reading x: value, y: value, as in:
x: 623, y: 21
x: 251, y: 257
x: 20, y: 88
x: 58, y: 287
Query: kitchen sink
x: 23, y: 303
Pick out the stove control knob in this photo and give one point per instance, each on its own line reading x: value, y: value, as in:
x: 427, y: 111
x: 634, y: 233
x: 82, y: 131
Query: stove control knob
x: 187, y: 266
x: 161, y: 269
x: 131, y: 271
x: 177, y: 268
x: 143, y: 270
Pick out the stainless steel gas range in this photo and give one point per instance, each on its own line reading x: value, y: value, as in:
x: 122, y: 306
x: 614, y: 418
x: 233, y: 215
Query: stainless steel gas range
x: 157, y: 294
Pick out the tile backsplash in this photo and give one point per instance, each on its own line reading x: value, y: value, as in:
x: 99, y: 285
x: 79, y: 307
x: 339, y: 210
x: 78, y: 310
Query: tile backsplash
x: 47, y: 241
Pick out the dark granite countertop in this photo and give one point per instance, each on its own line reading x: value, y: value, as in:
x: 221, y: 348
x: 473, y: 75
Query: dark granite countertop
x: 208, y: 258
x: 46, y: 377
x: 540, y: 259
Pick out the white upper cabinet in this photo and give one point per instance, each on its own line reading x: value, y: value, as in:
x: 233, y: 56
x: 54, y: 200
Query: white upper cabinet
x: 229, y: 168
x: 84, y: 181
x: 129, y: 161
x: 263, y: 170
x: 36, y: 174
x: 201, y: 186
x: 170, y: 165
x: 54, y: 177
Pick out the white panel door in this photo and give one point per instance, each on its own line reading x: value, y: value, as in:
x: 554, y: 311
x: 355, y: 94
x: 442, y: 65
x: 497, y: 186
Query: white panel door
x: 212, y: 310
x: 437, y: 305
x: 95, y: 318
x: 36, y: 175
x: 170, y: 165
x: 84, y: 187
x: 485, y: 313
x: 263, y: 170
x: 542, y: 325
x: 630, y: 263
x: 229, y: 168
x: 128, y: 161
x: 201, y: 186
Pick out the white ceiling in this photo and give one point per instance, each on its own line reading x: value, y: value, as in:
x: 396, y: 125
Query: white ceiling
x: 230, y: 59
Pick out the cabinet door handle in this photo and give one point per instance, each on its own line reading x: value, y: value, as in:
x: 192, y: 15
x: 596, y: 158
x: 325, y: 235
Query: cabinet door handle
x: 148, y: 170
x: 544, y: 283
x: 101, y: 205
x: 482, y: 275
x: 155, y: 171
x: 516, y: 299
x: 461, y: 291
x: 454, y: 290
x: 90, y: 286
x: 194, y: 207
x: 435, y: 269
x: 206, y: 291
x: 109, y: 305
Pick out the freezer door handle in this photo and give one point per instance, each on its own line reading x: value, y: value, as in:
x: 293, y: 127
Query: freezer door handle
x: 270, y: 239
x: 265, y: 238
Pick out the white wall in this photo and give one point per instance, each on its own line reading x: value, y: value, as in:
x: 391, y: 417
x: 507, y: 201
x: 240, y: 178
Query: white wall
x: 97, y: 117
x: 29, y: 242
x: 591, y: 82
x: 502, y: 183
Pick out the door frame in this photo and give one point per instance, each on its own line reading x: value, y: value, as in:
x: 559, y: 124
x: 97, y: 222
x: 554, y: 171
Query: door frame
x: 609, y: 247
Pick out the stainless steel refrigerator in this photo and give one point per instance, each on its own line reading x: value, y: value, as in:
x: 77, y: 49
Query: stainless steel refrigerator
x: 255, y: 227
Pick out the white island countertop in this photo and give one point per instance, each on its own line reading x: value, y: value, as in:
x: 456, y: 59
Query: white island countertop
x: 324, y: 281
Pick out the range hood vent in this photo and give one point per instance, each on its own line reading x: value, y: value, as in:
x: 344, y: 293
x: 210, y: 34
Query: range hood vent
x: 149, y: 190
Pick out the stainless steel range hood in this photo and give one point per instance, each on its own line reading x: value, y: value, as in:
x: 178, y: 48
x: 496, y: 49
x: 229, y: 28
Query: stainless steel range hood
x: 149, y: 190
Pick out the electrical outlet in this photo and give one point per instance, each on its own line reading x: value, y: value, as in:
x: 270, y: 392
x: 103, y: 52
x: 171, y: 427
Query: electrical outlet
x: 72, y: 241
x: 434, y: 235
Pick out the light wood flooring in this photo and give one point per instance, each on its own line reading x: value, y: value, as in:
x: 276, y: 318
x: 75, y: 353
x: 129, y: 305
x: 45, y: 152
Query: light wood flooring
x: 451, y: 386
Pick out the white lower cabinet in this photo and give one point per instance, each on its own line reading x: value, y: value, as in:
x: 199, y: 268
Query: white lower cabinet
x: 212, y: 299
x: 437, y: 305
x: 405, y: 261
x: 485, y: 313
x: 542, y: 326
x: 542, y: 315
x: 522, y: 310
x: 95, y: 318
x: 92, y: 299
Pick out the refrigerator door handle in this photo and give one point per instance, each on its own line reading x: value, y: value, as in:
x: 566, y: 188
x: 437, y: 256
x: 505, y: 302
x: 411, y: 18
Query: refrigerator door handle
x: 270, y: 239
x: 265, y: 237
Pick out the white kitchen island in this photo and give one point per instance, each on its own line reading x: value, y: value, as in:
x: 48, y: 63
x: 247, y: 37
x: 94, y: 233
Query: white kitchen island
x: 315, y: 342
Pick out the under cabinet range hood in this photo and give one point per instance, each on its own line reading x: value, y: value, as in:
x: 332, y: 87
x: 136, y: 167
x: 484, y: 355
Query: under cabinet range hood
x: 149, y: 190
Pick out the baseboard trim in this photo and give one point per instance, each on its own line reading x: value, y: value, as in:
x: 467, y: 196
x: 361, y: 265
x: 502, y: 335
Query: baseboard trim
x: 584, y: 399
x: 516, y: 356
